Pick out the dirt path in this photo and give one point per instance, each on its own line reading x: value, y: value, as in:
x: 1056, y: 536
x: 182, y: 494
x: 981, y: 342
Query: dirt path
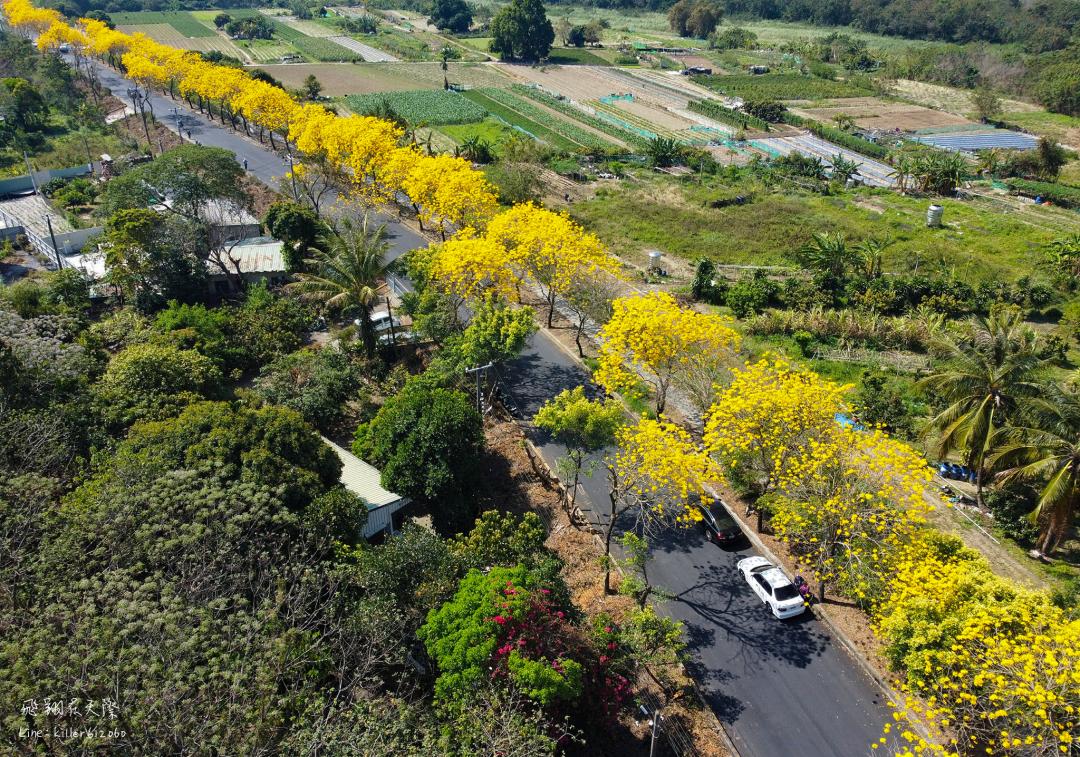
x: 974, y: 530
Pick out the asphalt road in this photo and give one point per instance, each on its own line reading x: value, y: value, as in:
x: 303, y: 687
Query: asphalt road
x: 782, y: 689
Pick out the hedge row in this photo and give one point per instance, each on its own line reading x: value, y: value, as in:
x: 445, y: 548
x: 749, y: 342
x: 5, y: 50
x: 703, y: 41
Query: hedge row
x: 634, y: 140
x: 1060, y: 194
x: 727, y: 115
x: 838, y: 136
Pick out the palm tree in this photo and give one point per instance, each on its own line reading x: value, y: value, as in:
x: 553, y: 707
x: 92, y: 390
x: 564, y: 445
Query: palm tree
x: 827, y: 253
x: 842, y: 168
x: 345, y: 278
x: 1045, y: 448
x: 986, y: 374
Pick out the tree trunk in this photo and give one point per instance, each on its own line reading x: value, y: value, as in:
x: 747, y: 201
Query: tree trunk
x: 607, y: 543
x: 577, y: 341
x: 979, y: 484
x: 551, y: 307
x: 367, y: 332
x: 821, y: 590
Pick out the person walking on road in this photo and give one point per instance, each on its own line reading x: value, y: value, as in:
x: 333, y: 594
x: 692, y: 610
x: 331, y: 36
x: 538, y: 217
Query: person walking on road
x: 245, y: 164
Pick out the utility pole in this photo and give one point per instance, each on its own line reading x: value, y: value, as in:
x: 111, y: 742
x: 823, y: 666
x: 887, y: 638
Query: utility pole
x: 479, y: 397
x: 56, y: 247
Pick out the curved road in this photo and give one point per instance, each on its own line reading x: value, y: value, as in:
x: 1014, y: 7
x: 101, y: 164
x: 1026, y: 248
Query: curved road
x: 781, y: 689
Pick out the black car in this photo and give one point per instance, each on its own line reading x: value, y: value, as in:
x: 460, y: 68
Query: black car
x: 719, y: 527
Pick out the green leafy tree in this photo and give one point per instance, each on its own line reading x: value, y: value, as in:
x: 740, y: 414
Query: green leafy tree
x: 451, y: 15
x: 298, y: 227
x: 271, y: 444
x: 314, y: 383
x: 987, y: 104
x: 464, y: 637
x: 191, y: 177
x: 268, y: 325
x: 312, y: 88
x: 203, y: 329
x: 664, y: 151
x: 22, y: 105
x: 428, y: 442
x: 584, y: 427
x: 346, y: 277
x: 154, y: 381
x: 153, y: 259
x: 503, y: 539
x: 522, y: 31
x: 496, y: 333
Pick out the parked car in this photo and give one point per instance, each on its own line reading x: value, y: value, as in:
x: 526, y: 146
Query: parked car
x: 718, y: 525
x: 381, y: 321
x: 772, y: 587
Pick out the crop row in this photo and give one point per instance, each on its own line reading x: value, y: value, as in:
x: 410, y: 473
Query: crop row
x: 782, y: 87
x: 321, y: 49
x: 631, y: 138
x: 537, y: 114
x: 510, y: 116
x: 737, y: 118
x: 851, y: 141
x: 428, y: 107
x: 633, y: 120
x: 1059, y: 194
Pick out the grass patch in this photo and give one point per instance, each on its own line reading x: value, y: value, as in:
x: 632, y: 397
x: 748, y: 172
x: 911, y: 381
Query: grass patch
x: 782, y: 87
x: 489, y: 130
x: 432, y: 107
x: 1056, y: 126
x: 182, y: 21
x: 976, y: 244
x: 519, y: 121
x: 576, y: 55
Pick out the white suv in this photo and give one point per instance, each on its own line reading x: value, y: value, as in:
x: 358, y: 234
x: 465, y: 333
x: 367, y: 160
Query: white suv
x: 772, y: 587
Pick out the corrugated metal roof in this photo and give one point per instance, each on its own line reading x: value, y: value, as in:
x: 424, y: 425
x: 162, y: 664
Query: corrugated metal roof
x: 363, y: 479
x: 256, y: 255
x: 1002, y: 138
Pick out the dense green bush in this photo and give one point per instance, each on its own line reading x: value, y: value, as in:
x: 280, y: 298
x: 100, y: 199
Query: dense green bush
x: 727, y: 115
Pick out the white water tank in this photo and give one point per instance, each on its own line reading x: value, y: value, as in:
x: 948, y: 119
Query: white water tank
x: 933, y: 216
x: 654, y: 259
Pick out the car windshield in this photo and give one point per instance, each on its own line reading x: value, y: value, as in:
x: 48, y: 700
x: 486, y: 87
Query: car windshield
x: 783, y: 593
x: 720, y: 518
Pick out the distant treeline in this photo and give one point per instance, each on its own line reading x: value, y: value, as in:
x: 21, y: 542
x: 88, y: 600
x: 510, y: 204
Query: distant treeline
x: 1040, y: 26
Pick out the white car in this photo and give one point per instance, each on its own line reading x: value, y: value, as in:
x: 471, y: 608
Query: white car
x: 382, y: 321
x: 772, y: 587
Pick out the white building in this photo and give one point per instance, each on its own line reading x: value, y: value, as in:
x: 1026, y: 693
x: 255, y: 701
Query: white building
x: 363, y: 481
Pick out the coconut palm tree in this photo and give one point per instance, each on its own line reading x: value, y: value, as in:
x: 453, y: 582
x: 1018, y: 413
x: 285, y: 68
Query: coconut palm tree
x: 1045, y: 447
x: 986, y: 373
x: 346, y: 274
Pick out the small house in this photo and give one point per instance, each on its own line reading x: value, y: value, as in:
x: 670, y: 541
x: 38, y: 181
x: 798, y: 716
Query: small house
x: 249, y: 260
x: 363, y: 480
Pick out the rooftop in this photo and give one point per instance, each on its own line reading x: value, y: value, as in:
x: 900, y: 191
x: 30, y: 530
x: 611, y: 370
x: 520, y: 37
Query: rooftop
x: 256, y: 255
x: 362, y: 479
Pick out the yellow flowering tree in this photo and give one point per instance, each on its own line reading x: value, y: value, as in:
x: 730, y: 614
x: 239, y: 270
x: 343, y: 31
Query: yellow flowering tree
x: 472, y: 267
x: 551, y: 249
x: 767, y: 417
x: 988, y: 667
x: 847, y: 506
x: 656, y: 474
x: 651, y: 336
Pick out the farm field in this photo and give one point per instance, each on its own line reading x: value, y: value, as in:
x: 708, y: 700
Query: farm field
x: 310, y: 28
x: 185, y: 23
x: 367, y: 52
x: 340, y: 79
x: 544, y: 129
x: 1059, y: 127
x: 490, y: 130
x: 167, y: 34
x: 314, y: 48
x: 782, y: 86
x: 979, y: 240
x: 265, y: 50
x: 874, y: 113
x: 950, y: 99
x: 429, y: 107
